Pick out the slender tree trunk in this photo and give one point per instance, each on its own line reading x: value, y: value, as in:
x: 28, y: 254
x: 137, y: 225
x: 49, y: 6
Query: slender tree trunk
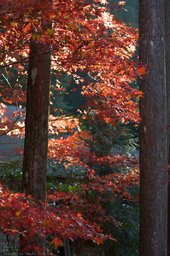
x: 36, y: 127
x: 153, y: 141
x: 167, y: 54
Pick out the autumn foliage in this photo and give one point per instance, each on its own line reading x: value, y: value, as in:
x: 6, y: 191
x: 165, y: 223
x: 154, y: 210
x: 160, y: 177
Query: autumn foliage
x: 84, y: 37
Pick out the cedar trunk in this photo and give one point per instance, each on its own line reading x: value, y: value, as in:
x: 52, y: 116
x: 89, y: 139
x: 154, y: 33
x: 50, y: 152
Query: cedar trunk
x: 153, y: 140
x: 167, y: 52
x: 36, y: 126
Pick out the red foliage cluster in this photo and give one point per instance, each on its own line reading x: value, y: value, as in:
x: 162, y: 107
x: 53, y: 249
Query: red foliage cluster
x: 73, y: 215
x: 79, y: 41
x: 20, y: 215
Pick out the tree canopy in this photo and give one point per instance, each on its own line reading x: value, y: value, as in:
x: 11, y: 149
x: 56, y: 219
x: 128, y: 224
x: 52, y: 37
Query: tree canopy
x: 84, y: 38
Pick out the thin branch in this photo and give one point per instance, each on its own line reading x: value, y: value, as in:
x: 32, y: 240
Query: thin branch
x: 11, y: 163
x: 6, y: 132
x: 2, y: 143
x: 65, y: 177
x: 26, y: 60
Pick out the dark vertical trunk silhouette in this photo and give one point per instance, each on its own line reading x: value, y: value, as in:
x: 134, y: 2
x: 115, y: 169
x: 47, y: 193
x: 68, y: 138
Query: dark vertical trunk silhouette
x: 153, y: 140
x: 167, y: 56
x: 36, y: 127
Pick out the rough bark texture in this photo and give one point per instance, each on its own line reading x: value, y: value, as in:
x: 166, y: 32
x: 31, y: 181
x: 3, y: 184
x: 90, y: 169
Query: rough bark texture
x: 36, y: 127
x: 153, y: 142
x: 167, y: 54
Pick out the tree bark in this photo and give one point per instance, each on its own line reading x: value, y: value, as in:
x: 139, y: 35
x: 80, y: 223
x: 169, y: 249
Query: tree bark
x: 153, y: 141
x: 167, y: 56
x: 36, y: 126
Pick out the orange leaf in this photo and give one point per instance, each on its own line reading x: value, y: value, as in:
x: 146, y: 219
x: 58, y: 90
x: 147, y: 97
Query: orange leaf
x: 56, y: 241
x: 99, y: 240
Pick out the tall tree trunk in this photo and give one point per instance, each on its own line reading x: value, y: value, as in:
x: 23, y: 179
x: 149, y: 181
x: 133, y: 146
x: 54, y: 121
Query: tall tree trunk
x: 167, y: 56
x: 36, y: 127
x: 153, y: 141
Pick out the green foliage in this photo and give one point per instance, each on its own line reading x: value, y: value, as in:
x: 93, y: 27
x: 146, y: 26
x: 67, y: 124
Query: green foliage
x: 127, y: 234
x: 11, y: 178
x: 108, y: 139
x: 59, y: 184
x: 69, y: 99
x: 122, y: 139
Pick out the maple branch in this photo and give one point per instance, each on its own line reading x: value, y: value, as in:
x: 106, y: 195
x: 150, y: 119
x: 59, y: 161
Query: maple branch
x: 27, y: 58
x: 6, y: 132
x: 13, y: 63
x: 65, y: 177
x: 15, y: 163
x: 2, y: 143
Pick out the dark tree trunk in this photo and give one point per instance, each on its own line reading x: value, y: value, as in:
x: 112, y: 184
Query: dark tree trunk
x: 167, y: 55
x: 153, y: 142
x: 36, y: 127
